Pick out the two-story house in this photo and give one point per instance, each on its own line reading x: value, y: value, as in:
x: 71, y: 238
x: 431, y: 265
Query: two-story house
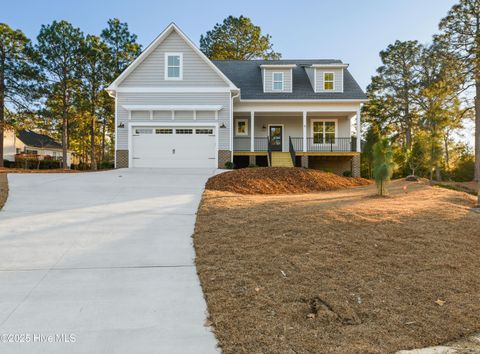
x: 176, y: 108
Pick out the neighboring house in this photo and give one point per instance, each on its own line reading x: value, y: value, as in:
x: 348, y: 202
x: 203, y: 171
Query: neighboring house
x: 31, y: 143
x: 176, y: 108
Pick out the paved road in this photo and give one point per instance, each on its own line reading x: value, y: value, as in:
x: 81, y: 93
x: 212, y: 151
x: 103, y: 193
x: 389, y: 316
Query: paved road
x: 104, y: 259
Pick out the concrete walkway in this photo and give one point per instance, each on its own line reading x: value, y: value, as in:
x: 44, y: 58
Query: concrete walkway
x: 102, y: 263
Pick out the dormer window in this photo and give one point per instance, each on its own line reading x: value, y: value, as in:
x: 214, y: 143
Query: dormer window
x: 277, y: 81
x: 328, y: 81
x: 173, y: 66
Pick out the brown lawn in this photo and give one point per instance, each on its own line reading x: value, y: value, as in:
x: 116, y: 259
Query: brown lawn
x: 339, y: 272
x: 3, y: 189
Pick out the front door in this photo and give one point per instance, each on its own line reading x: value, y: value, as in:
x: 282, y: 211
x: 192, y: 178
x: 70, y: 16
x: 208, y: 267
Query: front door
x: 276, y: 137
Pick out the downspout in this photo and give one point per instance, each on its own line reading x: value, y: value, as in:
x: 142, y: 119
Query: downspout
x: 231, y: 125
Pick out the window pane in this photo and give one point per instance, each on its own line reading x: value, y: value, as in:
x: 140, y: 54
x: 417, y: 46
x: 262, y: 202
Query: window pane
x: 173, y: 72
x: 242, y: 127
x: 203, y: 131
x: 143, y: 131
x: 174, y: 60
x: 330, y: 127
x: 329, y: 138
x: 164, y: 131
x: 277, y: 77
x: 318, y: 127
x: 278, y: 85
x: 183, y: 131
x: 318, y: 138
x: 329, y: 85
x: 328, y: 76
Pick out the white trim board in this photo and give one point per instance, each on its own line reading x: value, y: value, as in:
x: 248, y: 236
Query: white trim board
x: 152, y: 46
x: 177, y: 89
x: 172, y: 107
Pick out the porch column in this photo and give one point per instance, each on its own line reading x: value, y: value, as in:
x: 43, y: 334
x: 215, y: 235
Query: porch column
x: 304, y: 131
x: 252, y: 131
x: 359, y: 139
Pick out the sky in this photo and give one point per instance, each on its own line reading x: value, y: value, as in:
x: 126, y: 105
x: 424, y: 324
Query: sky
x: 351, y: 30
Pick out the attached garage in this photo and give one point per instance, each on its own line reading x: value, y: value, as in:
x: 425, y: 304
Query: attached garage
x: 174, y: 146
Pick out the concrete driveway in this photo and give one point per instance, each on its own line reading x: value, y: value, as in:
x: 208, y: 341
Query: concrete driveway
x: 102, y: 263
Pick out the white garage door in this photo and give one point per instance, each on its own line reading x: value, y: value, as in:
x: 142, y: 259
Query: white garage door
x: 174, y: 147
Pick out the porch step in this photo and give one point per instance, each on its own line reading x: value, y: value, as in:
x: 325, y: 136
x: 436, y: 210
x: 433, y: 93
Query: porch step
x: 281, y: 159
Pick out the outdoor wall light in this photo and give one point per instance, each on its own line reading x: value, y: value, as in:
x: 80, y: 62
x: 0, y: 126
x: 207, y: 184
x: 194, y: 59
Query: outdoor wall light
x: 121, y: 125
x: 223, y: 126
x: 264, y: 127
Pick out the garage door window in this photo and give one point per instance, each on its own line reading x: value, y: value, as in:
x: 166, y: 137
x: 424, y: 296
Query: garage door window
x: 183, y: 131
x: 204, y: 131
x: 164, y: 131
x: 143, y: 131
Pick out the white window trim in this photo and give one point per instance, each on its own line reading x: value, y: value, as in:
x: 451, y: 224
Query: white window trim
x: 237, y: 133
x: 166, y: 66
x: 332, y: 81
x: 324, y: 120
x: 282, y: 81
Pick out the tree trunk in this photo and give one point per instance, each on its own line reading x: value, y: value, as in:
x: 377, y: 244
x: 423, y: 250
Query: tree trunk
x: 104, y: 124
x: 93, y: 163
x: 477, y: 137
x: 447, y: 154
x: 64, y: 139
x: 438, y: 175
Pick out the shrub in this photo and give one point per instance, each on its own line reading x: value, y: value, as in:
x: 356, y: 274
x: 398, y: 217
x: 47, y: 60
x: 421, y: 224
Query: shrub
x: 8, y: 164
x: 382, y: 164
x: 229, y: 165
x: 347, y: 173
x: 465, y: 169
x: 106, y: 165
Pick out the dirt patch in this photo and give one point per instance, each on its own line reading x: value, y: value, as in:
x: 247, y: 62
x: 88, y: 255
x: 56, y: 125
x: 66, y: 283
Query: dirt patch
x: 3, y: 189
x: 280, y: 180
x: 340, y: 272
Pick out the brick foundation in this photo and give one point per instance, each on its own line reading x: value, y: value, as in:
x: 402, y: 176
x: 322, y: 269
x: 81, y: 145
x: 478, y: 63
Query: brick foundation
x: 121, y: 159
x: 356, y: 166
x: 223, y: 157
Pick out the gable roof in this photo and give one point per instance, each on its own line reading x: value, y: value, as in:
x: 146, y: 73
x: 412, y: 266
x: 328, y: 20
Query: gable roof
x: 161, y: 37
x: 247, y: 75
x: 33, y: 139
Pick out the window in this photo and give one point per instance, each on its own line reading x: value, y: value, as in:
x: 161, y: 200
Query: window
x: 164, y: 131
x: 241, y: 127
x: 328, y: 81
x: 173, y: 66
x: 143, y: 131
x: 183, y: 131
x: 32, y: 152
x: 324, y: 132
x: 277, y: 81
x: 204, y: 131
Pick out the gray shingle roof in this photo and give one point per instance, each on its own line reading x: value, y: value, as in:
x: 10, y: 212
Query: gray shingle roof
x: 246, y: 75
x: 33, y: 139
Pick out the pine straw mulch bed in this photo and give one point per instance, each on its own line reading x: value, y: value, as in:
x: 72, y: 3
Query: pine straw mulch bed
x: 280, y: 180
x: 3, y: 189
x: 339, y: 272
x: 22, y: 170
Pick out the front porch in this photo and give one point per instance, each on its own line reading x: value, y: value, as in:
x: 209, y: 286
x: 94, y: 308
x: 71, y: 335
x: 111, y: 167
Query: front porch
x: 308, y: 137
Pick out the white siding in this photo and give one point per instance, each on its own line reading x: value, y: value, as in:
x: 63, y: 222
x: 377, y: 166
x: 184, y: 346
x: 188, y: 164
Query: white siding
x: 267, y: 76
x: 222, y: 99
x: 338, y: 84
x: 151, y: 72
